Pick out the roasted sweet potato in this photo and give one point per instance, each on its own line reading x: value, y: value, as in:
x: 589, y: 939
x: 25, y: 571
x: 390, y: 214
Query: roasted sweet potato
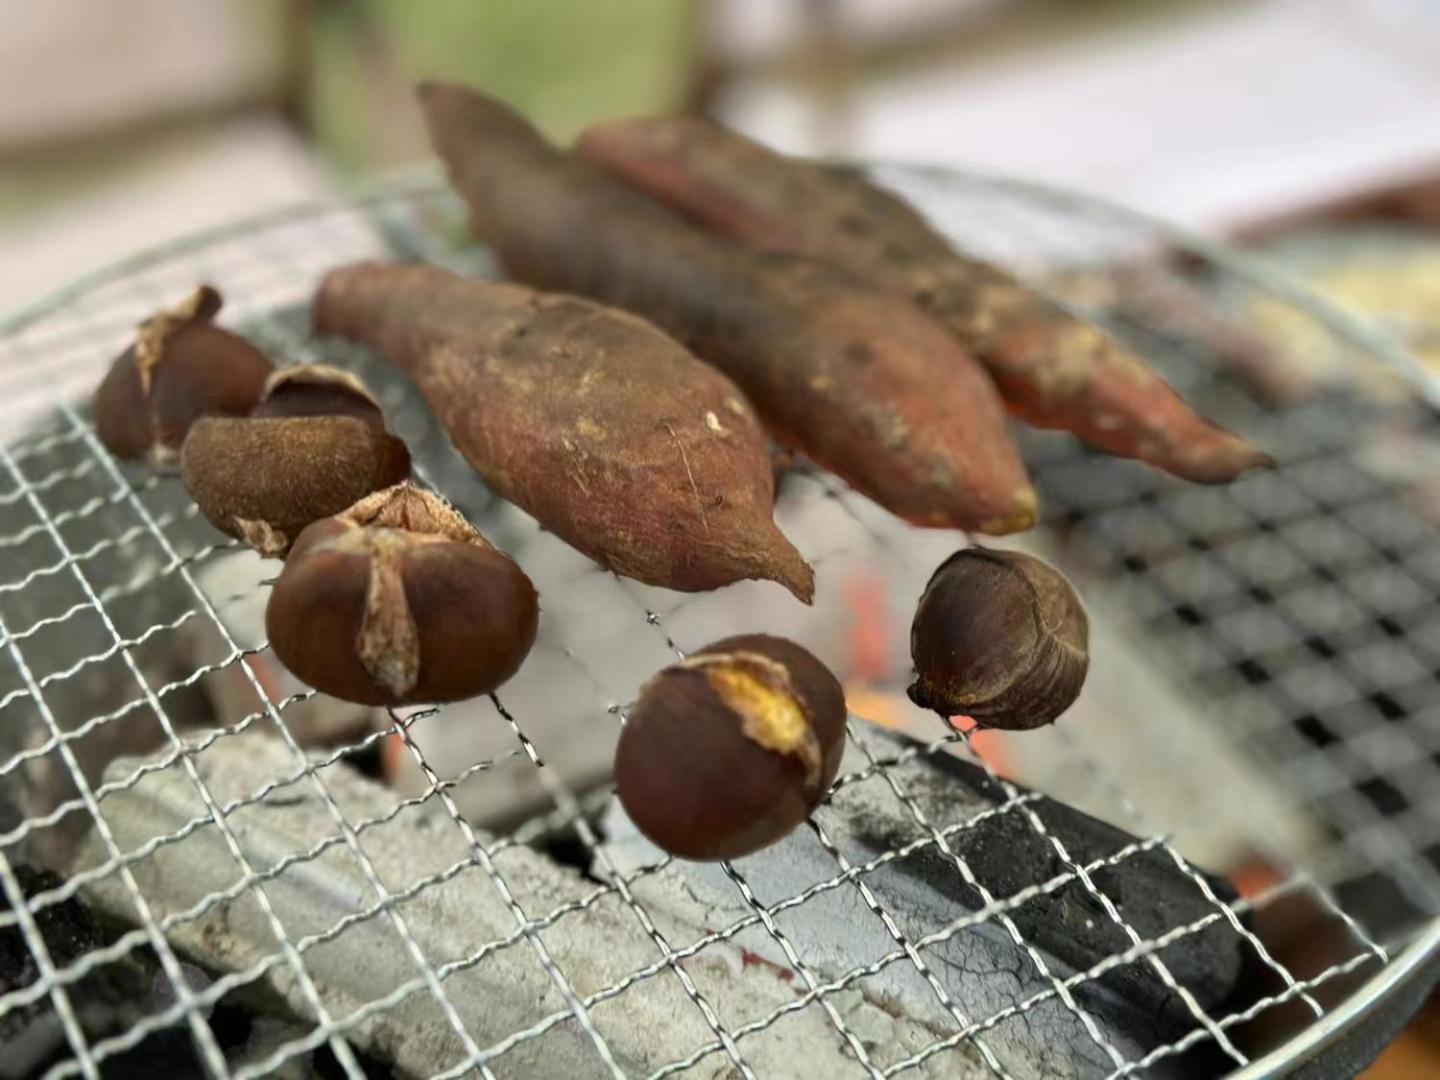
x: 601, y: 426
x: 863, y: 383
x: 1053, y: 369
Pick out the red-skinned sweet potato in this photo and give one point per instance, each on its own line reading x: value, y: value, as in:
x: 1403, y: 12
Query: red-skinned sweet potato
x: 1053, y: 369
x: 601, y: 426
x: 865, y: 384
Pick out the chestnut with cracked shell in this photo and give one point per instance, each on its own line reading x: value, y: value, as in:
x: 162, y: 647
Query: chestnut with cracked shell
x: 315, y: 444
x: 399, y: 600
x: 180, y: 368
x: 729, y: 750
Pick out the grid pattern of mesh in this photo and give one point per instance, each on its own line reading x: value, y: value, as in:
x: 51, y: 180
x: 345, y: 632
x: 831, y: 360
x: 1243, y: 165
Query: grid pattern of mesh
x: 1297, y: 603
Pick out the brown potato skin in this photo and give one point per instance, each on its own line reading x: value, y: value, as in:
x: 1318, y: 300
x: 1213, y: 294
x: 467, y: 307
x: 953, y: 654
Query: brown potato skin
x: 476, y: 611
x: 863, y: 383
x: 695, y: 785
x: 1053, y: 369
x: 598, y: 424
x: 287, y: 472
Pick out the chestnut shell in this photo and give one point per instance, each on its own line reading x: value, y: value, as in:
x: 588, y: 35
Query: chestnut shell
x: 474, y: 613
x: 696, y: 784
x: 318, y: 390
x: 264, y: 480
x: 194, y: 369
x: 999, y: 636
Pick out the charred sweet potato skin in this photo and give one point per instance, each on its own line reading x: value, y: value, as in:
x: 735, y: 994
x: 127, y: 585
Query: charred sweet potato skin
x: 1053, y: 369
x: 603, y: 428
x: 866, y: 397
x: 865, y: 384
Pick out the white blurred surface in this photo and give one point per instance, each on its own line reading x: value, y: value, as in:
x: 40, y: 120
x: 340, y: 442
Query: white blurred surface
x: 72, y: 66
x: 236, y: 169
x: 73, y: 70
x: 747, y: 29
x: 1210, y: 120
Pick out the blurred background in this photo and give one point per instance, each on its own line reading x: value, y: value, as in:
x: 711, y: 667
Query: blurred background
x: 124, y: 124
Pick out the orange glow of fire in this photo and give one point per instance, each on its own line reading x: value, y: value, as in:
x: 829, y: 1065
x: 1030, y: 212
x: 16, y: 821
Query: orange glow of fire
x: 867, y: 596
x: 887, y: 710
x: 989, y: 745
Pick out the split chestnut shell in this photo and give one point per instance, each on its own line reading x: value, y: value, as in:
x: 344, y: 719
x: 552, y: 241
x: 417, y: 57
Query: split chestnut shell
x: 729, y: 750
x: 398, y: 600
x: 314, y: 445
x: 180, y: 368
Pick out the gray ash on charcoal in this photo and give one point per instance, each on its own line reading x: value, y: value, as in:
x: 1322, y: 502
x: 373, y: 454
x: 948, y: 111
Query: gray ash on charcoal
x: 1007, y: 854
x: 100, y: 681
x: 1326, y: 480
x: 117, y: 995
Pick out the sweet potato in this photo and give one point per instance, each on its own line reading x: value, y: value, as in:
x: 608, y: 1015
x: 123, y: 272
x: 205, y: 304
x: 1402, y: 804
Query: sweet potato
x: 605, y: 429
x: 1053, y: 369
x: 866, y: 385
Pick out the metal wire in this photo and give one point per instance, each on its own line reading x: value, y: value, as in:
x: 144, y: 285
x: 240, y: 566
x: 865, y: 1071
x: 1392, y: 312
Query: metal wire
x: 121, y: 537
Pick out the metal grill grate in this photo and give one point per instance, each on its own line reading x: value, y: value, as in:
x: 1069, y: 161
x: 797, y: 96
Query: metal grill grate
x: 1298, y: 606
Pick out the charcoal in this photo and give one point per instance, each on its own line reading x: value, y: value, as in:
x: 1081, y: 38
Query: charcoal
x: 107, y: 1001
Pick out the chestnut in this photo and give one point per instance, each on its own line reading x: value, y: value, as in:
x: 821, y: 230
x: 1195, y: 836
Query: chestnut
x: 399, y: 600
x: 314, y: 445
x: 729, y: 750
x: 181, y: 367
x: 318, y: 390
x: 1001, y: 637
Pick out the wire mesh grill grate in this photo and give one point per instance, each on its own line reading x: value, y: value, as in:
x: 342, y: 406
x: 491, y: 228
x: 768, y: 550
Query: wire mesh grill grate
x: 1295, y: 605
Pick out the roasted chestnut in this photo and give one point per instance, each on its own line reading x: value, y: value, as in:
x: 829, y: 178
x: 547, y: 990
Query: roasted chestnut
x: 399, y: 600
x: 181, y: 367
x: 318, y: 390
x: 315, y: 444
x: 729, y: 750
x: 1000, y: 637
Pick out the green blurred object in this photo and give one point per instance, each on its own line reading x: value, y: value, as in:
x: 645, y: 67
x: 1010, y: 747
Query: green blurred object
x: 563, y: 62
